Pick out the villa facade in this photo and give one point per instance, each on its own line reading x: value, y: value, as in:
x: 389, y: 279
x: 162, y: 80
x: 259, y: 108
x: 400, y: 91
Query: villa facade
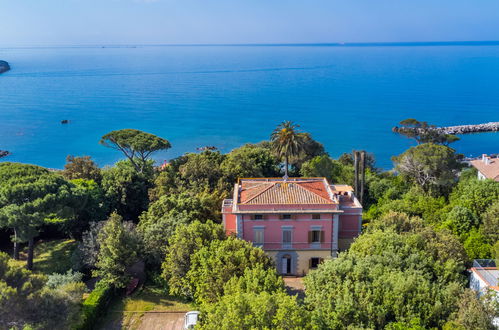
x: 298, y: 221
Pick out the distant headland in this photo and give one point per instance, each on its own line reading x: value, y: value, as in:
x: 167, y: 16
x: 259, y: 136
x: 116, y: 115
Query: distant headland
x: 4, y: 66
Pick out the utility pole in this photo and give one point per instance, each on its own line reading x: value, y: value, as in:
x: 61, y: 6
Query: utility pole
x: 359, y: 162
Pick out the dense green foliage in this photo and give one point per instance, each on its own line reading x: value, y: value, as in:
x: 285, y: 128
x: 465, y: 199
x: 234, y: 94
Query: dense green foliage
x: 212, y: 266
x: 31, y: 196
x: 81, y: 168
x: 94, y: 306
x: 92, y: 206
x: 119, y: 249
x: 25, y: 301
x: 473, y: 312
x: 256, y: 311
x: 255, y: 300
x: 125, y: 190
x: 56, y: 280
x: 399, y: 271
x: 186, y: 241
x: 431, y: 166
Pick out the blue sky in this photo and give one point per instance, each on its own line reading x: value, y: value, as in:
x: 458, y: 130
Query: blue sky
x: 76, y: 22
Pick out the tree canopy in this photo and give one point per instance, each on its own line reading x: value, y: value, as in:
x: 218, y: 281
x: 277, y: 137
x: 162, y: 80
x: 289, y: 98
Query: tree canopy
x: 212, y: 266
x: 136, y: 145
x: 26, y: 302
x: 29, y: 197
x: 430, y: 165
x: 186, y: 241
x: 119, y: 249
x: 399, y: 274
x: 81, y: 168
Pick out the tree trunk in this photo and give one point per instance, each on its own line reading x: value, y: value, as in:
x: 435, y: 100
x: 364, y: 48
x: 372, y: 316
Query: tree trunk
x: 286, y: 167
x: 16, y: 246
x: 31, y: 247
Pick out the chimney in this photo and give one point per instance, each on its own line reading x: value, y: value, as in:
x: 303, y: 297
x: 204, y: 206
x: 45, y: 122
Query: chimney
x: 485, y: 159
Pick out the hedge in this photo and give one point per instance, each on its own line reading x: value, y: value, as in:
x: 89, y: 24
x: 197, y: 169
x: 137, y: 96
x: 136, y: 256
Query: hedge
x: 94, y: 306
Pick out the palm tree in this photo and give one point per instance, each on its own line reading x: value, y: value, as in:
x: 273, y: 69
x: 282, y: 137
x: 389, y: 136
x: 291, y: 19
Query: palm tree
x: 287, y: 142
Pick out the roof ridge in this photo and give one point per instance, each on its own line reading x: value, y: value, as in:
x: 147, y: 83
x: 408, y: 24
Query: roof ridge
x: 329, y: 201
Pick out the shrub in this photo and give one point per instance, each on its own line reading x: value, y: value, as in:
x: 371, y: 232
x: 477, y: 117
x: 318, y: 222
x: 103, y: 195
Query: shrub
x: 94, y: 306
x: 56, y: 280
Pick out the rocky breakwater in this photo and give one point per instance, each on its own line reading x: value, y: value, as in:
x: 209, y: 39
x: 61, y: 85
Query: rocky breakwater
x: 465, y: 129
x: 4, y: 66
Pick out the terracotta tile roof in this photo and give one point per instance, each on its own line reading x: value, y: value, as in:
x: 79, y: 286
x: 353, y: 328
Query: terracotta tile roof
x: 490, y: 171
x: 303, y: 191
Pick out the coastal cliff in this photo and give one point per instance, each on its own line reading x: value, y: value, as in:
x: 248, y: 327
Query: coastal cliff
x: 4, y: 66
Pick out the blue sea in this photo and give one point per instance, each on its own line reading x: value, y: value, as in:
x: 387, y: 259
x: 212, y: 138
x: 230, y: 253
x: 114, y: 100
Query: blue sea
x: 346, y: 97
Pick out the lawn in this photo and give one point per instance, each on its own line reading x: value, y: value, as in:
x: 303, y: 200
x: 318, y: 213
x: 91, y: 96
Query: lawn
x: 53, y: 256
x: 127, y: 313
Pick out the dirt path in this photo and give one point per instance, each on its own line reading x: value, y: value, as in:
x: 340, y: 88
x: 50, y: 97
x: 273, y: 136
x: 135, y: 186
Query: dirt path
x: 162, y: 321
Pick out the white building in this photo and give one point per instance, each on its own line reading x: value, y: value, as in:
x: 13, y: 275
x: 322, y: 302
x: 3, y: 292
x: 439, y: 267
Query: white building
x: 484, y: 278
x: 488, y: 167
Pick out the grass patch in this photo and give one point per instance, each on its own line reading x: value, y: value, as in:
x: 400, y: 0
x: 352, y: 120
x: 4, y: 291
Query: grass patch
x: 126, y: 312
x: 52, y: 256
x: 152, y: 298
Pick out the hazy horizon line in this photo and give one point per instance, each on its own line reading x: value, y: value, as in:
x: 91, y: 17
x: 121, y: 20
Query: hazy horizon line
x: 319, y: 44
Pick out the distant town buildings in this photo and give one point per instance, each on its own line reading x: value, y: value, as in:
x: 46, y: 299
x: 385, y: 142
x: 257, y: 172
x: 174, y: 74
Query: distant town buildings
x: 298, y: 221
x: 488, y: 167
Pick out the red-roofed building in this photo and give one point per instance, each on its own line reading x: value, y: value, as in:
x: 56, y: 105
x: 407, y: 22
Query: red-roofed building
x: 487, y: 167
x: 298, y: 221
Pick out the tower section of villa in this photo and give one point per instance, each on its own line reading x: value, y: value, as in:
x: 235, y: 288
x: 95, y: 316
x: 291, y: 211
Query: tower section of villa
x: 298, y: 221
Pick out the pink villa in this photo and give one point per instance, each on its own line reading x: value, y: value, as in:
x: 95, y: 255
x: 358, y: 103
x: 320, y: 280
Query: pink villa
x: 298, y: 221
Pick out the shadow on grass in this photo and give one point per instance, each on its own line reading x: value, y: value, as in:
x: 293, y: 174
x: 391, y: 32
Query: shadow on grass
x: 52, y: 256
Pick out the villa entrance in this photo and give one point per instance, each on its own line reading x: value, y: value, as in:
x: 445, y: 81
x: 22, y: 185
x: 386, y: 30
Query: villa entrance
x: 286, y: 264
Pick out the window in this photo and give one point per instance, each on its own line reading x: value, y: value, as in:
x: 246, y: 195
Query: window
x: 286, y: 238
x: 258, y: 217
x: 316, y: 216
x: 258, y: 237
x: 286, y: 216
x: 315, y: 236
x: 314, y: 262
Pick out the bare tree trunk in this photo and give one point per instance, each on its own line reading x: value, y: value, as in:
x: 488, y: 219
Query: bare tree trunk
x: 31, y: 247
x: 356, y: 172
x: 16, y: 246
x: 362, y: 175
x: 286, y: 166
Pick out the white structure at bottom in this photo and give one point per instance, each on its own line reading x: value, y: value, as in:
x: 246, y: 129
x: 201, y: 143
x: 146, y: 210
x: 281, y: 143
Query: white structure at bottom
x: 484, y: 278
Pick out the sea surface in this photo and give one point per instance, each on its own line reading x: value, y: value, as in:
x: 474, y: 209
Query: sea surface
x: 224, y: 96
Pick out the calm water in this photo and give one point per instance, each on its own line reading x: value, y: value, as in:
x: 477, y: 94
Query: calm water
x: 347, y: 97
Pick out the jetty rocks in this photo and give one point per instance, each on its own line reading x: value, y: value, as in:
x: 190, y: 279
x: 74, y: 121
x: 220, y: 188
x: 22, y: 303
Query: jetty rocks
x: 465, y: 129
x: 4, y: 66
